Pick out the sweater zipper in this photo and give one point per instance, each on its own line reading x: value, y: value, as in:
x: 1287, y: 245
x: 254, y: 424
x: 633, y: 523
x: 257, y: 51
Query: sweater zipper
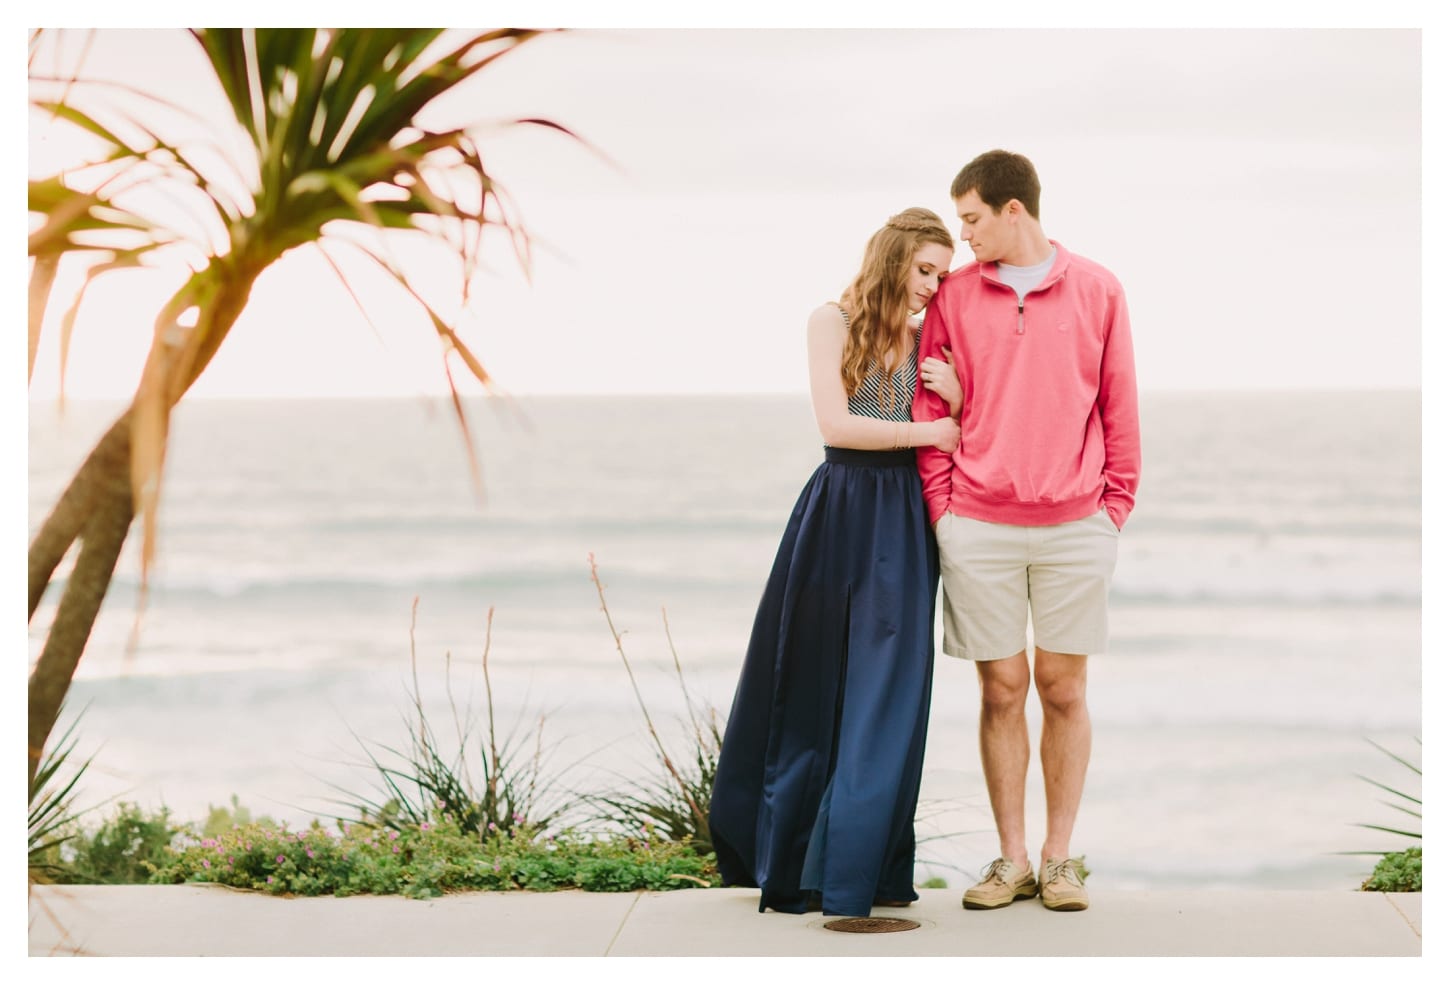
x: 1020, y: 303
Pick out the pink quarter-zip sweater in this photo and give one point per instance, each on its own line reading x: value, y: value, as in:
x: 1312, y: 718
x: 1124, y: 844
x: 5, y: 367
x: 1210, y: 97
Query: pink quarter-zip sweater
x: 1050, y: 397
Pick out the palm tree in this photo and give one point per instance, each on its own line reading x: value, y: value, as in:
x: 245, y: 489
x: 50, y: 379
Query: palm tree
x: 335, y: 158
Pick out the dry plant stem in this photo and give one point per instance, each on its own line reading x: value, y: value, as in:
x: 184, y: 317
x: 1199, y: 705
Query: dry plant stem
x: 619, y: 645
x: 538, y: 760
x: 488, y: 690
x: 457, y: 719
x: 413, y: 659
x: 680, y: 673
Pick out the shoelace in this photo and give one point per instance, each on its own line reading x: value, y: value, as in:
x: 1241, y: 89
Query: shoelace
x: 1069, y: 868
x: 997, y: 870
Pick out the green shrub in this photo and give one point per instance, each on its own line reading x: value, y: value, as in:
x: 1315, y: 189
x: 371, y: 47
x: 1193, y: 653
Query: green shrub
x: 1397, y: 872
x: 125, y: 848
x: 427, y: 860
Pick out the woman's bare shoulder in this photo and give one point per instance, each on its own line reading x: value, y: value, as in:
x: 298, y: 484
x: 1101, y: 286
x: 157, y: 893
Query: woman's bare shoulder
x: 828, y: 315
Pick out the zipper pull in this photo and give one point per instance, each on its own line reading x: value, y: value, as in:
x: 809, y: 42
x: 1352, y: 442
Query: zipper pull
x: 1020, y: 304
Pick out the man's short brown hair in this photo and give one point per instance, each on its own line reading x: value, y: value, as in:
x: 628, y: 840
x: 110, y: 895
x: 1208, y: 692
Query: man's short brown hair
x: 998, y: 176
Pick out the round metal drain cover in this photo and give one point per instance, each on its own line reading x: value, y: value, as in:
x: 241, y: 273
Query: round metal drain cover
x: 871, y: 925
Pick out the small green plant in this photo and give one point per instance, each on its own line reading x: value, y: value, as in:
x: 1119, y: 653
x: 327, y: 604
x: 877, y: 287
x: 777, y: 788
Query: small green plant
x: 1396, y: 872
x: 676, y: 803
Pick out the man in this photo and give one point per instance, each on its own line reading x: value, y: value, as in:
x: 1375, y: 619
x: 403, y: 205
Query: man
x: 1028, y: 508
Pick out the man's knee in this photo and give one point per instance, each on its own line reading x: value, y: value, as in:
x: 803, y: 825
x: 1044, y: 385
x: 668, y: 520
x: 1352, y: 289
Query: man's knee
x: 1061, y: 680
x: 1004, y: 685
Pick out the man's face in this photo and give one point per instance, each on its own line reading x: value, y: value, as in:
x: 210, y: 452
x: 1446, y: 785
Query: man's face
x: 989, y: 235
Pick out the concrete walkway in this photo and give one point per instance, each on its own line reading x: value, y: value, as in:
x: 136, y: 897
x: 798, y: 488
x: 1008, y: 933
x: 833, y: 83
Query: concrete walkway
x: 209, y: 921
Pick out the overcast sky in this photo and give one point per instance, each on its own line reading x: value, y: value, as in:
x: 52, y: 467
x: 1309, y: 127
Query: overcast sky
x: 1257, y: 192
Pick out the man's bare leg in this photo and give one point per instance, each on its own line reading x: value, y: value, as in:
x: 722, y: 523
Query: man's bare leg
x: 1005, y: 748
x: 1066, y: 742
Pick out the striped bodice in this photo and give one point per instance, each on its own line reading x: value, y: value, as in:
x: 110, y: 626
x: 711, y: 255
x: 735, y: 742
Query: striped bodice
x: 865, y: 401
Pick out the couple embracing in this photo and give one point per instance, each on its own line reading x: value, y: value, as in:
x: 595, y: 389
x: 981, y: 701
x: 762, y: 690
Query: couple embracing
x: 992, y: 446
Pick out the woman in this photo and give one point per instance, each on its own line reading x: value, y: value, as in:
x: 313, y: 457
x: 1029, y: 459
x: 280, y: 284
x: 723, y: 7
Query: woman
x: 820, y: 764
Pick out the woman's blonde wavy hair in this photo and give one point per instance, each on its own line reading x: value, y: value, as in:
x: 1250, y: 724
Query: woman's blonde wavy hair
x: 876, y: 304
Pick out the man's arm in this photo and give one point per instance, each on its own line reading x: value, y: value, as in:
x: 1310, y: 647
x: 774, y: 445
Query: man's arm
x: 1118, y: 408
x: 934, y: 464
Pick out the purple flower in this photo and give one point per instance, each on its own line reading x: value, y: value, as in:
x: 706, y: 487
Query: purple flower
x: 396, y: 849
x: 424, y: 826
x: 281, y: 859
x: 393, y: 835
x: 492, y: 826
x: 518, y: 819
x: 229, y: 860
x: 269, y: 880
x: 311, y: 854
x: 206, y: 863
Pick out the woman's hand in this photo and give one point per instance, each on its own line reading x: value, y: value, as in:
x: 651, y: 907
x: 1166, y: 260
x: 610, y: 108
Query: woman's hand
x: 941, y: 379
x: 946, y: 434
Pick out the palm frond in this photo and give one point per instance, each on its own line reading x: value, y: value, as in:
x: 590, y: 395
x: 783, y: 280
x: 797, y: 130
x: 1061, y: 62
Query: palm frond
x: 330, y: 128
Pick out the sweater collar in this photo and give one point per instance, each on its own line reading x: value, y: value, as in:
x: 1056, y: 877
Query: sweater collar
x: 1059, y: 267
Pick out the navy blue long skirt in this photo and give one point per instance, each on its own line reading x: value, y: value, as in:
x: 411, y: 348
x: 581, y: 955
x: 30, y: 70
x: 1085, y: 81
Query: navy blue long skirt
x: 820, y: 763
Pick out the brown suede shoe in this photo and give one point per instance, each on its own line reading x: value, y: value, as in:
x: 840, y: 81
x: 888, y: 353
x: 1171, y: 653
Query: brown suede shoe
x: 1062, y: 887
x: 1003, y: 883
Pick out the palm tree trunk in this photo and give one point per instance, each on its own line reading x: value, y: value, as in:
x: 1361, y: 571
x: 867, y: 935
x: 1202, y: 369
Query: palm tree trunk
x: 102, y: 536
x: 97, y: 507
x: 111, y: 457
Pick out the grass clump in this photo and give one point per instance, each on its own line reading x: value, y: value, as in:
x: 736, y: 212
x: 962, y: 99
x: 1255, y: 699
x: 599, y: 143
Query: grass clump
x: 430, y: 779
x: 675, y: 803
x: 53, y: 818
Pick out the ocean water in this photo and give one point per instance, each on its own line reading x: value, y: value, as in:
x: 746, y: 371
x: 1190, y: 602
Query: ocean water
x: 1266, y: 613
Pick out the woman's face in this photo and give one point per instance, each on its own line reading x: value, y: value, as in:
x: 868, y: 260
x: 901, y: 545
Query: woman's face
x: 928, y: 266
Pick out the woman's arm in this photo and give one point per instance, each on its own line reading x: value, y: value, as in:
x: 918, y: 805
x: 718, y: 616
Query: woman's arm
x: 825, y: 345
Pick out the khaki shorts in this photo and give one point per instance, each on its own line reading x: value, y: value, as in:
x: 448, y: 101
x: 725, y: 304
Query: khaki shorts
x: 995, y: 574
